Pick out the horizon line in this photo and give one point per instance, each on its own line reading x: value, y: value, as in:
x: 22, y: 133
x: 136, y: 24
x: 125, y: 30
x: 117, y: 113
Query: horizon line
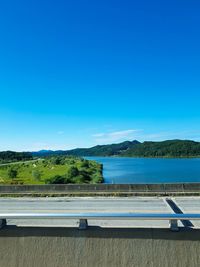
x: 114, y: 143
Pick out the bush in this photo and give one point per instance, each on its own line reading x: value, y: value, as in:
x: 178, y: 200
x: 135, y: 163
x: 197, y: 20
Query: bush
x: 72, y: 172
x: 58, y: 179
x: 85, y: 164
x: 12, y: 173
x: 56, y: 161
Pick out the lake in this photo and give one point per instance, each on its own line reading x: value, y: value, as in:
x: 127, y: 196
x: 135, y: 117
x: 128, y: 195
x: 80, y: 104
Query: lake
x: 149, y: 170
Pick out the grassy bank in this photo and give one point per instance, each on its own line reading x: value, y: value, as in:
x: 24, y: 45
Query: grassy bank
x: 52, y: 170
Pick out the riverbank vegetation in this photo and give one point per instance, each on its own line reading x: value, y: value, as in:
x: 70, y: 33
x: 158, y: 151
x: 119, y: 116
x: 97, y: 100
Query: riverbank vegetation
x: 52, y: 170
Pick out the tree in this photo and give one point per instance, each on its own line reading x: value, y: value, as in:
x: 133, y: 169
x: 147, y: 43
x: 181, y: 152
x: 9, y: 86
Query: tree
x: 85, y: 164
x: 56, y: 160
x: 12, y: 173
x: 72, y: 172
x: 58, y: 179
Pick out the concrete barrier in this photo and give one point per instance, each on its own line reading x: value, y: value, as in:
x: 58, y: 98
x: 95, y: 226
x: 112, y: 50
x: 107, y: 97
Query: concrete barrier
x: 96, y: 247
x: 101, y: 188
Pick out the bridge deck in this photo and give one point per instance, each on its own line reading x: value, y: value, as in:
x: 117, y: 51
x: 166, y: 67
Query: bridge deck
x: 99, y: 205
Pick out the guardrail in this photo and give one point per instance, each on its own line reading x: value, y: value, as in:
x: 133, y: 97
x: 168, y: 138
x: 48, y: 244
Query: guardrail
x: 84, y: 217
x: 164, y: 189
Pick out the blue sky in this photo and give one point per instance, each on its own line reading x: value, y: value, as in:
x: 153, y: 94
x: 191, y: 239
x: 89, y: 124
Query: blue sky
x: 81, y: 73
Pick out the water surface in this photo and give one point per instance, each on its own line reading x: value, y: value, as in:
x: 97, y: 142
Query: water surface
x: 149, y: 170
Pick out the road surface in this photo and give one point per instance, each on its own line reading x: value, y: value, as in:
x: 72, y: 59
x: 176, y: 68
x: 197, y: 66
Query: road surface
x: 99, y: 204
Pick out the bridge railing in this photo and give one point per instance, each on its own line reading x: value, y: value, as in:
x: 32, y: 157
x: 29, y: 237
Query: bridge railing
x: 84, y: 217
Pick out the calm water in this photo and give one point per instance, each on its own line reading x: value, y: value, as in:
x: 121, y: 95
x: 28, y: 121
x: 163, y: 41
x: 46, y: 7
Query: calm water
x: 143, y: 170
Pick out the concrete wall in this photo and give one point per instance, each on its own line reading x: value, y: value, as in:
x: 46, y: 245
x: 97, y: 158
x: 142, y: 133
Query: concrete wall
x: 95, y: 247
x: 187, y: 187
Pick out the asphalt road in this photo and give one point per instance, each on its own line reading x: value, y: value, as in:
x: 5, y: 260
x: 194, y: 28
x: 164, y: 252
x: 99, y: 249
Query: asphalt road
x: 98, y: 204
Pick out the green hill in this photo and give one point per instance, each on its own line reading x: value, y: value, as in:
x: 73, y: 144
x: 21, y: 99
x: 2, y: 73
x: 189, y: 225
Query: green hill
x: 100, y: 150
x: 104, y: 150
x: 169, y: 148
x: 52, y: 170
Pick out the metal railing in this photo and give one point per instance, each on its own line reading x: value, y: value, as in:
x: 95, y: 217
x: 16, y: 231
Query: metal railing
x: 84, y: 217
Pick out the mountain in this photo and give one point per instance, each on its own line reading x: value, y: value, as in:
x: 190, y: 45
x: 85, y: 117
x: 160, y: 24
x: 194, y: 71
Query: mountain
x: 100, y: 150
x: 169, y: 148
x: 104, y: 150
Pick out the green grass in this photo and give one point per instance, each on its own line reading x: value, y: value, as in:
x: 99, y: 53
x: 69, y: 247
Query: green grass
x: 43, y: 171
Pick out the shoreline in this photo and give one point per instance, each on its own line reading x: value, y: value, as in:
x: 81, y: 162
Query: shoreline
x: 143, y: 157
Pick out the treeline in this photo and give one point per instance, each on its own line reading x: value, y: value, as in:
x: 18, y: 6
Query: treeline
x: 11, y: 156
x: 104, y: 150
x: 170, y: 148
x: 100, y: 150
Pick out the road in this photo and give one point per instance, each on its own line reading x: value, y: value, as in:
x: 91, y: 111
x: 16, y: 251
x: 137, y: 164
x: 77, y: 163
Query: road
x: 99, y: 204
x: 19, y: 162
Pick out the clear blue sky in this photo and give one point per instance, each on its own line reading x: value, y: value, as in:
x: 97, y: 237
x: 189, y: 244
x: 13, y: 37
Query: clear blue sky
x: 81, y: 73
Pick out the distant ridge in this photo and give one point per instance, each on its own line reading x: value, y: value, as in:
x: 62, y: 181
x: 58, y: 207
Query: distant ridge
x: 99, y: 150
x: 168, y: 148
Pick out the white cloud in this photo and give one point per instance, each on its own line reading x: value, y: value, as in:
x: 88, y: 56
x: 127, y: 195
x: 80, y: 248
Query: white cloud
x: 169, y: 135
x: 116, y: 136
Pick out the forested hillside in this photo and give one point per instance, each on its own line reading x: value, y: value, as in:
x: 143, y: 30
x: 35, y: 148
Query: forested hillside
x: 170, y: 148
x: 10, y: 156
